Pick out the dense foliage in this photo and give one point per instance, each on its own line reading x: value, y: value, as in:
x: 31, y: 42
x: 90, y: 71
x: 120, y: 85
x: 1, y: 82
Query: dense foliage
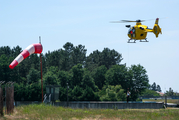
x: 98, y: 76
x: 150, y: 93
x: 155, y: 87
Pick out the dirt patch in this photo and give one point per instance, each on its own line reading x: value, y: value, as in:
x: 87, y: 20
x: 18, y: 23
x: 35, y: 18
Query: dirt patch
x: 14, y: 116
x: 97, y: 117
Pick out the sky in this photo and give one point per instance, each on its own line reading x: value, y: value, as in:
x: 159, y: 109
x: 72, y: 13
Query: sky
x: 87, y: 22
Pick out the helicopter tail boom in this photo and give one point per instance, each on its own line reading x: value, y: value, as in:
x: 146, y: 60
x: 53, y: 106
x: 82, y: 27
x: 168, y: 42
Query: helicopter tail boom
x: 156, y: 28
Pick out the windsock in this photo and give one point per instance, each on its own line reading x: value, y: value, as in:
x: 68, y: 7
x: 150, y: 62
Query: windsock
x: 34, y: 48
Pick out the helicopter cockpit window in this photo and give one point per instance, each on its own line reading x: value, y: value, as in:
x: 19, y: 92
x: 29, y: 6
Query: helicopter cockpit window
x: 132, y: 31
x: 129, y: 32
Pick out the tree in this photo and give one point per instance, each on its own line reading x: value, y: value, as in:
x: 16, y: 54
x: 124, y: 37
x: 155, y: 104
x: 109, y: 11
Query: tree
x: 107, y: 57
x: 117, y: 75
x: 67, y: 62
x: 63, y: 77
x: 88, y: 81
x: 33, y: 76
x: 140, y: 81
x: 5, y: 51
x: 76, y: 93
x: 89, y: 95
x: 85, y: 75
x: 16, y: 51
x: 19, y: 91
x: 50, y: 78
x: 33, y: 92
x: 53, y: 58
x: 27, y: 92
x: 154, y: 87
x: 148, y: 92
x: 92, y: 61
x: 77, y: 72
x: 112, y: 93
x: 5, y: 72
x: 158, y: 88
x: 99, y: 76
x: 34, y: 61
x: 170, y: 92
x: 82, y: 84
x: 79, y: 55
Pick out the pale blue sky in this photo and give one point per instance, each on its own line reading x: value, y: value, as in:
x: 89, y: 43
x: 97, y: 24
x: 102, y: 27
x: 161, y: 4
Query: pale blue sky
x: 86, y: 22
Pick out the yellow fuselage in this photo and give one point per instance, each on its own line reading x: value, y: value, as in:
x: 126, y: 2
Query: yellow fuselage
x: 139, y: 33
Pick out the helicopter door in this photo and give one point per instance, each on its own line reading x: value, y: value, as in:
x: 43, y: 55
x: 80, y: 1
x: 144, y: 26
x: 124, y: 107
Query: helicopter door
x: 132, y: 32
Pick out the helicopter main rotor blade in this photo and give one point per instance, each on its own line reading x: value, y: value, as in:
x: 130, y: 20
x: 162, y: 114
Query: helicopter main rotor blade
x: 128, y: 21
x: 116, y: 22
x: 137, y: 21
x: 122, y: 21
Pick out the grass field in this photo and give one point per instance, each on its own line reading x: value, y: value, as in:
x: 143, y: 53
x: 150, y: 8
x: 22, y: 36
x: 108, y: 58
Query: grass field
x: 46, y: 112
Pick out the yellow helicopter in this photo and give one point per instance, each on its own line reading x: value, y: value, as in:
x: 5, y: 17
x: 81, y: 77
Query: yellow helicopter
x: 139, y: 31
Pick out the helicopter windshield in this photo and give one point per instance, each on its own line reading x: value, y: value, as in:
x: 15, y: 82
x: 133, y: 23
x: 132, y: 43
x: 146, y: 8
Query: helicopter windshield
x: 132, y: 32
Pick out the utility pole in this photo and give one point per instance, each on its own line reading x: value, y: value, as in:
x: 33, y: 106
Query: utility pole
x: 41, y: 70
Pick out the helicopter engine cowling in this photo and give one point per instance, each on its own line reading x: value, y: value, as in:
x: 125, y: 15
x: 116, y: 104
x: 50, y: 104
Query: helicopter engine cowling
x: 128, y: 26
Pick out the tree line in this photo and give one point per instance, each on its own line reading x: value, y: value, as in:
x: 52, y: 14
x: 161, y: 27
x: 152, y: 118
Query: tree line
x: 98, y: 76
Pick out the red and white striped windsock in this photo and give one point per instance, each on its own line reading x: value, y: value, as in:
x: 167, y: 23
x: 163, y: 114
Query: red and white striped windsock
x: 34, y: 48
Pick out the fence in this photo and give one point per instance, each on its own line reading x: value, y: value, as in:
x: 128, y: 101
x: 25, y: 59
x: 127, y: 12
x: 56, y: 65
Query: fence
x: 159, y: 97
x: 111, y: 105
x: 99, y: 105
x: 171, y: 101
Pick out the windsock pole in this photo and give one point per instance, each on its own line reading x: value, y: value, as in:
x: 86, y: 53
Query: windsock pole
x: 41, y: 70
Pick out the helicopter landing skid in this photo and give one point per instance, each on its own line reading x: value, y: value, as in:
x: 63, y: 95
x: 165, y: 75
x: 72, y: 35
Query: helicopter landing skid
x: 131, y: 41
x: 145, y: 40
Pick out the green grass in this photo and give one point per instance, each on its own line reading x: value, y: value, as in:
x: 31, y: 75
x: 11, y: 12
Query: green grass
x: 46, y: 112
